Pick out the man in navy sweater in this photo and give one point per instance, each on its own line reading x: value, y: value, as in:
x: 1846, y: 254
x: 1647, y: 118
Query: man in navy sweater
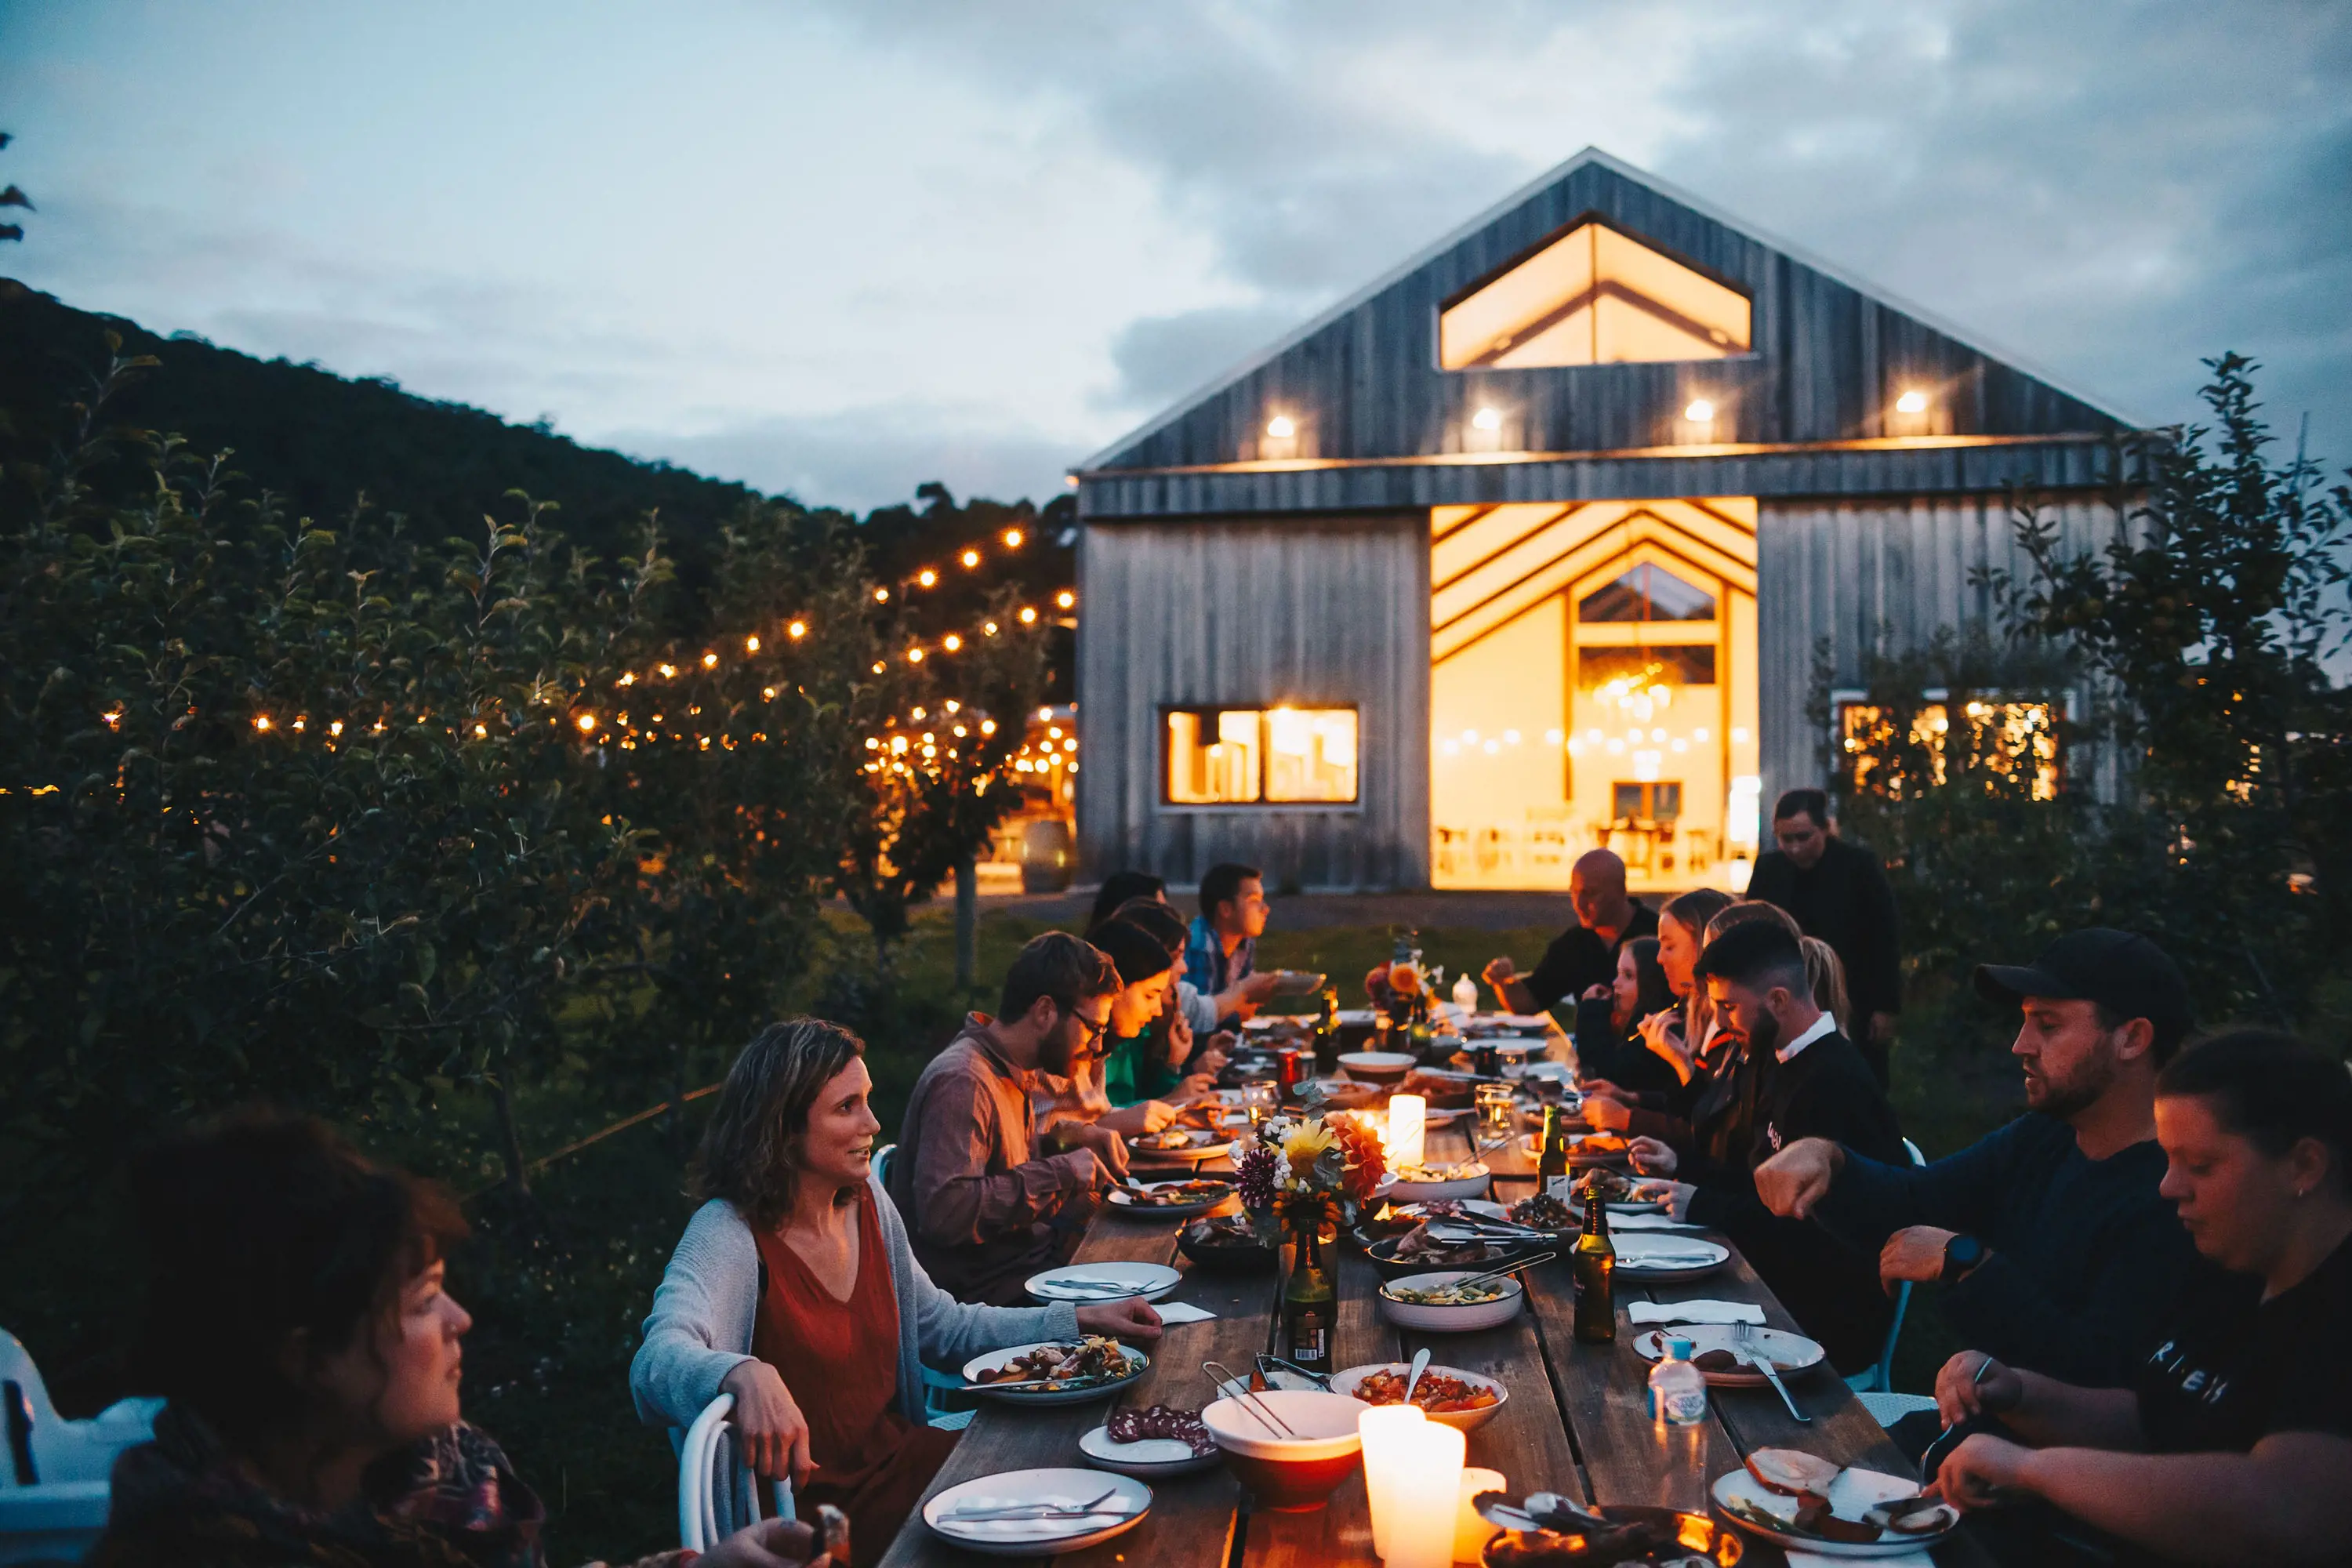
x: 2050, y: 1244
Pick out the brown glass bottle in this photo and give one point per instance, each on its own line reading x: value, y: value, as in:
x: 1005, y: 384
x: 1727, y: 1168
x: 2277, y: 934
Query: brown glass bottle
x: 1594, y: 1265
x: 1310, y: 1305
x: 1552, y: 1156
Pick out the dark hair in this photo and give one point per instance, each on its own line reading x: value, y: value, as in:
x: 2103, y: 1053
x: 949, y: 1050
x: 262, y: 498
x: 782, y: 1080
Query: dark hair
x: 2164, y: 1036
x: 253, y: 1229
x: 1739, y: 912
x: 2271, y: 1089
x: 1123, y: 888
x: 1812, y: 802
x: 1153, y: 916
x: 1756, y: 953
x: 1825, y: 972
x: 1223, y: 882
x: 1138, y: 953
x: 1692, y: 911
x: 1650, y: 992
x: 1059, y: 967
x: 751, y: 1148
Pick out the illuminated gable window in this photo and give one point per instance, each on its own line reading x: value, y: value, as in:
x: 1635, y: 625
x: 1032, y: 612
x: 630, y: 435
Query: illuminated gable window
x: 2009, y: 738
x: 1592, y: 297
x: 1647, y: 593
x: 1244, y: 756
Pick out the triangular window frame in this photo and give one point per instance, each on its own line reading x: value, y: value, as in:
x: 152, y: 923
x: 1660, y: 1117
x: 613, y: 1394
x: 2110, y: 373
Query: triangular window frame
x: 1568, y: 301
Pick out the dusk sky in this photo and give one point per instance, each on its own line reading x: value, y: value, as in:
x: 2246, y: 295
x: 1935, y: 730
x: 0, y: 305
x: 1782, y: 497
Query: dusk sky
x: 840, y: 248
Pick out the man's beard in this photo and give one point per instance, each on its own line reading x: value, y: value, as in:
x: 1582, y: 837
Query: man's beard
x: 1763, y: 1035
x: 2077, y: 1093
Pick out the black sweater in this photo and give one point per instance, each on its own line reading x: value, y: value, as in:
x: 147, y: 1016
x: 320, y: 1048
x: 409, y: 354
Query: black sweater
x: 2086, y: 1259
x: 1844, y: 900
x: 1829, y: 1286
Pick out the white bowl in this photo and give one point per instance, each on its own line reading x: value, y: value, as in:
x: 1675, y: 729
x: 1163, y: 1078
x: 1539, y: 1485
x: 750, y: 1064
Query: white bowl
x: 1288, y: 1475
x: 1401, y: 1191
x: 1377, y: 1066
x: 1467, y: 1420
x: 1459, y: 1319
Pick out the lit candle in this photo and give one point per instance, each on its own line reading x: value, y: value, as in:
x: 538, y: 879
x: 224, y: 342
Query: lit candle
x: 1386, y: 1457
x: 1408, y: 1114
x: 1472, y: 1533
x: 1422, y: 1502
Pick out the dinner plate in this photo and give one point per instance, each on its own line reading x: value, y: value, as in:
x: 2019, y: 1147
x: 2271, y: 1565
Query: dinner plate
x: 1124, y: 1202
x: 1651, y: 1254
x: 1129, y: 1500
x: 1620, y: 1159
x: 1853, y: 1493
x: 1347, y: 1382
x: 1137, y: 1363
x: 1151, y: 1458
x: 1790, y: 1352
x: 1199, y: 1144
x: 1148, y: 1280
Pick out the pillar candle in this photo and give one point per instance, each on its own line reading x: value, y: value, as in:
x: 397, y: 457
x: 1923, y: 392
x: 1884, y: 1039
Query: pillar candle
x: 1422, y: 1502
x: 1471, y: 1531
x: 1407, y: 1114
x: 1384, y: 1459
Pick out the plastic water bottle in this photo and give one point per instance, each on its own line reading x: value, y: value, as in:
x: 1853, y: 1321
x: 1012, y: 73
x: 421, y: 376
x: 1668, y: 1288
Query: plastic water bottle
x: 1677, y: 1388
x: 1466, y: 995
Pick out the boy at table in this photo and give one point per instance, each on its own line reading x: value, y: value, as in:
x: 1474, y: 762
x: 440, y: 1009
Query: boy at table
x: 1809, y: 1082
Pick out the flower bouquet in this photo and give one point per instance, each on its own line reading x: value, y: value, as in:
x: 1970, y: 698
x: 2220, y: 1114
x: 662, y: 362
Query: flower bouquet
x: 1298, y: 1168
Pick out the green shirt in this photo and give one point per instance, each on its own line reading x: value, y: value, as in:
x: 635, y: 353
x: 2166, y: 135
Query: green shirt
x: 1136, y: 1069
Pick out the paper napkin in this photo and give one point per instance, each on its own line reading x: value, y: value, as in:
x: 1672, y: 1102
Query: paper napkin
x: 1647, y: 1220
x: 1181, y: 1312
x: 1695, y: 1312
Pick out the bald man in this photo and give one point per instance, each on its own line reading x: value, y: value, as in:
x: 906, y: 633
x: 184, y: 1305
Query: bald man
x: 1585, y: 955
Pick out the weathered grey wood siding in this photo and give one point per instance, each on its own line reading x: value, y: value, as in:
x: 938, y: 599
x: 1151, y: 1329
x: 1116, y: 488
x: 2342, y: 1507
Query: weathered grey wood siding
x: 1881, y: 576
x: 1828, y: 360
x: 1323, y: 610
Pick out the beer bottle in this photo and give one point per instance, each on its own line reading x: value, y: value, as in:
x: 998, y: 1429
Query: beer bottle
x: 1594, y: 1263
x: 1552, y: 1156
x: 1326, y: 1033
x: 1310, y: 1305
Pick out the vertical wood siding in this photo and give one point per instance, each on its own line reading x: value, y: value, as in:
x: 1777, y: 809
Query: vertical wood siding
x: 1325, y: 611
x: 1877, y: 577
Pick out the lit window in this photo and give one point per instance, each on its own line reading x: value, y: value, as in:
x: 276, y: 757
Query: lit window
x: 1646, y: 592
x: 1592, y: 297
x: 2003, y: 738
x: 1239, y: 756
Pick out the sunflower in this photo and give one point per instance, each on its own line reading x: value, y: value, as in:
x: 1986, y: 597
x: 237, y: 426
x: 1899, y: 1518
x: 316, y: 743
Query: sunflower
x: 1304, y: 1145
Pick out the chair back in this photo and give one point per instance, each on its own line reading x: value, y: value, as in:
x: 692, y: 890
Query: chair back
x: 707, y: 1453
x: 55, y: 1475
x: 1880, y: 1378
x: 882, y: 1164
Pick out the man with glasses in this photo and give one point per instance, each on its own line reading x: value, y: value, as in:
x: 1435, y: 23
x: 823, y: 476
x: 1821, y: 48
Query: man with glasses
x: 986, y: 1204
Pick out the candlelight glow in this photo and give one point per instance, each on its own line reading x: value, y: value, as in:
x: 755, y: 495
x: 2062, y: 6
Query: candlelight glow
x: 1408, y: 1123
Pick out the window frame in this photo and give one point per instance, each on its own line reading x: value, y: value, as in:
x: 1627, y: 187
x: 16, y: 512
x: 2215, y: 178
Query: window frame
x: 1165, y: 803
x: 2061, y: 704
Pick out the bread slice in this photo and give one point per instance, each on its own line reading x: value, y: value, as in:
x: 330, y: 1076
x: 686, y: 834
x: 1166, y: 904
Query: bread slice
x: 1791, y: 1470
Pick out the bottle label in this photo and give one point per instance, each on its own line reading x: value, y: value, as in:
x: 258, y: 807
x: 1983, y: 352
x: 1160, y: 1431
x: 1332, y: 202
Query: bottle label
x: 1678, y: 1407
x: 1307, y: 1349
x: 1561, y: 1187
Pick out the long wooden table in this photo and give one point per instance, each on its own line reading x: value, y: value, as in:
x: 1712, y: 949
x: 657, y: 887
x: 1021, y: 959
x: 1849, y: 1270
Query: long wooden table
x: 1576, y: 1421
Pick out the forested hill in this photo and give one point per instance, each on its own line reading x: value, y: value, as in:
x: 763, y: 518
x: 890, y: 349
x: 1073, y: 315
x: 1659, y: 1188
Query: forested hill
x: 319, y: 439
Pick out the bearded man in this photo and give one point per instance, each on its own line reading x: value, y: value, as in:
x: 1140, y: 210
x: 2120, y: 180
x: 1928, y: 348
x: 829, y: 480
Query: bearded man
x: 2050, y: 1245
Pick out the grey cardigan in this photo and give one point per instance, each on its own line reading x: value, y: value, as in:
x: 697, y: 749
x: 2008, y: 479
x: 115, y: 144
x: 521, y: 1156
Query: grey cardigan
x: 701, y: 1327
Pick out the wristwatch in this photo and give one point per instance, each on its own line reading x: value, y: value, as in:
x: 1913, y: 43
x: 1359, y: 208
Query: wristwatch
x: 1961, y: 1254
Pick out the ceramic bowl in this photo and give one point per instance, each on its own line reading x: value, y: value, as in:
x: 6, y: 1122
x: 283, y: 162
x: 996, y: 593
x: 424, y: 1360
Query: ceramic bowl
x: 1467, y: 1420
x: 1459, y: 1319
x: 1288, y: 1475
x: 1378, y: 1066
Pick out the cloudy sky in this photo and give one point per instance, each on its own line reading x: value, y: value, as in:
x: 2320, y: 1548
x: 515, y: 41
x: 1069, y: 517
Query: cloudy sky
x: 840, y: 248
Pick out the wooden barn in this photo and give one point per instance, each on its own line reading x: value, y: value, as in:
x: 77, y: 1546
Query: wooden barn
x: 1528, y: 547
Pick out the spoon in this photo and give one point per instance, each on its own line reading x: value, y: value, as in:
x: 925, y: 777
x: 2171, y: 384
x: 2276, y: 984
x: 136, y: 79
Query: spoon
x: 1413, y: 1379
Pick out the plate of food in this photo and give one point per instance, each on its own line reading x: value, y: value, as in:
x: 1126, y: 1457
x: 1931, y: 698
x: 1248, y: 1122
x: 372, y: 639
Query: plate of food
x: 1189, y: 1144
x: 1584, y: 1148
x: 1296, y: 982
x: 1618, y: 1190
x: 1462, y: 1179
x: 1171, y: 1200
x: 1083, y: 1282
x: 1451, y: 1300
x: 1226, y: 1242
x: 1055, y: 1372
x: 1446, y: 1394
x: 1157, y: 1440
x: 973, y: 1515
x: 1418, y: 1251
x: 1628, y: 1535
x: 1799, y: 1499
x: 1442, y: 1090
x: 1651, y: 1254
x: 1546, y: 1213
x: 1716, y: 1348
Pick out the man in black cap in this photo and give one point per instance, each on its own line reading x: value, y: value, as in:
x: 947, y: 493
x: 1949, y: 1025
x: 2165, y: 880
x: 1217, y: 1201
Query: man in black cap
x: 2047, y: 1238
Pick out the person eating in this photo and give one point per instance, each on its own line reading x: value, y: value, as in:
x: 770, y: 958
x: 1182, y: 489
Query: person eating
x: 795, y: 1289
x: 2233, y: 1443
x: 1220, y: 951
x: 297, y: 1321
x: 1609, y: 1044
x: 1585, y: 955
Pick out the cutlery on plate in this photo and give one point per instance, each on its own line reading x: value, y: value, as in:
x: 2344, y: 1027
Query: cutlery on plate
x: 1742, y: 1346
x: 1267, y: 1365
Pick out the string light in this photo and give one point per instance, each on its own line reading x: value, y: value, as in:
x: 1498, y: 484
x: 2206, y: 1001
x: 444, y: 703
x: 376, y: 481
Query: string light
x: 261, y: 721
x: 710, y: 661
x: 1012, y: 539
x: 927, y: 577
x: 1065, y: 599
x: 951, y: 642
x: 881, y: 595
x: 750, y: 644
x: 587, y: 722
x: 669, y: 671
x: 1028, y: 616
x: 797, y: 630
x: 971, y: 558
x: 113, y: 719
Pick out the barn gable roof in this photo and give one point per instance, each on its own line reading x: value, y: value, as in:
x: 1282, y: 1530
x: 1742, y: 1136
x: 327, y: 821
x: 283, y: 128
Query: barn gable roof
x: 1826, y: 357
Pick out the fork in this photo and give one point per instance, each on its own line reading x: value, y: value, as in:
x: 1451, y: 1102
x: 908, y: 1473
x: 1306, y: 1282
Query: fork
x: 1742, y: 1343
x: 1032, y: 1511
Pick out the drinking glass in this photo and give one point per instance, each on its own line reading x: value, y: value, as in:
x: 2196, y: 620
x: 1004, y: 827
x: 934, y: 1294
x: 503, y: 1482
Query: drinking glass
x: 1494, y: 1102
x: 1260, y: 1097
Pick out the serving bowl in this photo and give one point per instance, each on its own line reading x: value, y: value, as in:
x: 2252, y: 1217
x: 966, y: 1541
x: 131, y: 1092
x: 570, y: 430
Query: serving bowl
x: 1288, y: 1475
x: 1349, y: 1381
x: 1378, y: 1066
x: 1459, y: 1319
x: 1230, y: 1256
x: 1686, y: 1535
x: 1499, y: 1255
x: 1402, y: 1189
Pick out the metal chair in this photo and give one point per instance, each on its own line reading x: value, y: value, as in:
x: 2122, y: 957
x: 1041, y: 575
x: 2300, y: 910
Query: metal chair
x: 1880, y: 1378
x: 706, y: 1445
x: 55, y: 1480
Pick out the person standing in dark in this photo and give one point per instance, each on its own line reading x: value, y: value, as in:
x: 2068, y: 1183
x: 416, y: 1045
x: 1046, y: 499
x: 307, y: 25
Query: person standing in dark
x: 1838, y: 892
x: 1585, y: 955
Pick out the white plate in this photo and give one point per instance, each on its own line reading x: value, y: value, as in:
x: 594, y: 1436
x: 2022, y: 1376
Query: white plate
x: 1377, y: 1066
x: 1356, y: 1017
x: 1559, y: 1072
x: 1296, y: 982
x: 1459, y: 1319
x: 1151, y: 1458
x: 1200, y: 1144
x: 1131, y: 1499
x: 1672, y: 1257
x: 1123, y: 1201
x: 1467, y: 1420
x: 1148, y: 1280
x: 1791, y: 1352
x: 1137, y: 1361
x: 1850, y: 1497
